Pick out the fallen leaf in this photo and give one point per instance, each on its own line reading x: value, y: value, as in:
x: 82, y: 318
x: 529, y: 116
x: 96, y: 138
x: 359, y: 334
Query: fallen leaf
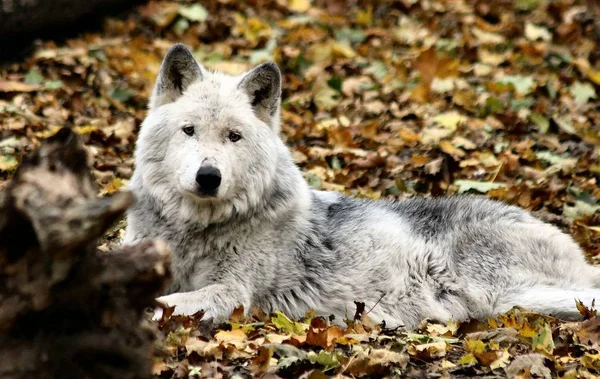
x: 543, y: 341
x: 10, y: 86
x: 8, y: 163
x: 194, y: 12
x: 582, y: 92
x: 522, y: 84
x: 449, y: 120
x: 534, y: 32
x: 299, y: 5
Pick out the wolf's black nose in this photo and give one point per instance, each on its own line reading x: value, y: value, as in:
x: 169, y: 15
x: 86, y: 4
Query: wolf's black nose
x: 209, y: 179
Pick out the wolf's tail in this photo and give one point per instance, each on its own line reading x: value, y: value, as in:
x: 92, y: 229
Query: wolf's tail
x: 558, y: 302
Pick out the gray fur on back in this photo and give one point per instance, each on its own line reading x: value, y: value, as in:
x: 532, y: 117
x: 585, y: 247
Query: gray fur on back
x: 270, y: 241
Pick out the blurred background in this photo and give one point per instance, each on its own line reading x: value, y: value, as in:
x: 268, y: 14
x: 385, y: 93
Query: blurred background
x: 381, y: 98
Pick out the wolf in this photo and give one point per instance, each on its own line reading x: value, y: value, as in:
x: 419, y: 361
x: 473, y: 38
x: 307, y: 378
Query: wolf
x: 214, y: 179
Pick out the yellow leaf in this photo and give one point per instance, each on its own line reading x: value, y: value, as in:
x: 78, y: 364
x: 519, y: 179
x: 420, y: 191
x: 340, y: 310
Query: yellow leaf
x: 158, y: 367
x: 235, y: 335
x: 475, y: 346
x: 527, y: 330
x: 8, y: 163
x: 46, y: 133
x: 434, y: 135
x: 345, y: 340
x: 85, y: 129
x: 365, y: 17
x: 450, y: 120
x: 448, y: 148
x: 277, y: 338
x: 446, y: 364
x: 502, y: 360
x: 467, y: 359
x: 299, y: 5
x: 384, y: 357
x: 343, y: 50
x: 203, y: 348
x: 112, y: 187
x: 591, y: 361
x: 441, y: 330
x: 594, y: 76
x: 433, y: 349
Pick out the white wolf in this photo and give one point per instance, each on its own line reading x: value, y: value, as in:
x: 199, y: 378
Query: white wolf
x: 213, y: 178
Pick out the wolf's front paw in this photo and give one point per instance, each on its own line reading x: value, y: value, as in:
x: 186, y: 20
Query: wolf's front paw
x: 185, y: 304
x: 217, y: 301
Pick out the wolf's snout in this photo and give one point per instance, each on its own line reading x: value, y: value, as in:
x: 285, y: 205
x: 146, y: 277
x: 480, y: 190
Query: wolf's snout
x: 208, y: 179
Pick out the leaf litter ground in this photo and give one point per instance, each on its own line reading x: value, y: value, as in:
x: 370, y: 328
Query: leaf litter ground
x: 381, y: 99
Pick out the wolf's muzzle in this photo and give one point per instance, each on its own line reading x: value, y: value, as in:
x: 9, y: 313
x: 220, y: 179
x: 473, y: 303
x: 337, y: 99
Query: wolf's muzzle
x: 208, y: 179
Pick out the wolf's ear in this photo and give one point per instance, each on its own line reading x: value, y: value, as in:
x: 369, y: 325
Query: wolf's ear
x: 263, y: 86
x: 179, y: 69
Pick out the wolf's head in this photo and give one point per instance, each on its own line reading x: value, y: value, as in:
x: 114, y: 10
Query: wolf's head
x: 210, y: 138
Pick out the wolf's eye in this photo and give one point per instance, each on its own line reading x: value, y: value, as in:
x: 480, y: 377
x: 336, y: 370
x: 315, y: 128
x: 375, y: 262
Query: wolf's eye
x: 189, y: 130
x: 234, y: 136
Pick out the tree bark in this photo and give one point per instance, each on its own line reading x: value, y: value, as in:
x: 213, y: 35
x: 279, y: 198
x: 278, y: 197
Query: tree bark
x: 68, y: 310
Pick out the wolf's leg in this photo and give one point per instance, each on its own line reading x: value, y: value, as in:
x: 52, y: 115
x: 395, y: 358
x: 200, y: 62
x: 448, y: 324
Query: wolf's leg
x: 217, y: 301
x: 558, y: 302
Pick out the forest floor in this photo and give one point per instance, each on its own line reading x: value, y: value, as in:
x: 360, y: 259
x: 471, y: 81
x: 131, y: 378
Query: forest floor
x: 381, y: 99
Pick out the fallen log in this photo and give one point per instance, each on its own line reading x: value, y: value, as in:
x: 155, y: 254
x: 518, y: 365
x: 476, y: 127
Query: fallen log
x: 68, y: 310
x: 18, y: 17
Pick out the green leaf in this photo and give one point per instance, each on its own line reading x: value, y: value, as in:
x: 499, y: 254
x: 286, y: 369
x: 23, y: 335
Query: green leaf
x: 263, y: 55
x: 181, y: 26
x: 325, y: 358
x: 121, y: 94
x: 378, y: 69
x: 246, y: 328
x: 552, y: 90
x: 493, y: 105
x: 34, y: 76
x: 313, y: 180
x: 554, y: 159
x: 517, y: 104
x: 99, y: 54
x: 542, y: 122
x: 53, y: 84
x: 350, y: 36
x: 483, y: 187
x: 288, y: 354
x: 581, y: 195
x: 194, y: 12
x: 283, y: 323
x: 580, y: 209
x: 522, y: 84
x: 335, y: 82
x: 527, y: 5
x: 582, y: 92
x: 543, y: 341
